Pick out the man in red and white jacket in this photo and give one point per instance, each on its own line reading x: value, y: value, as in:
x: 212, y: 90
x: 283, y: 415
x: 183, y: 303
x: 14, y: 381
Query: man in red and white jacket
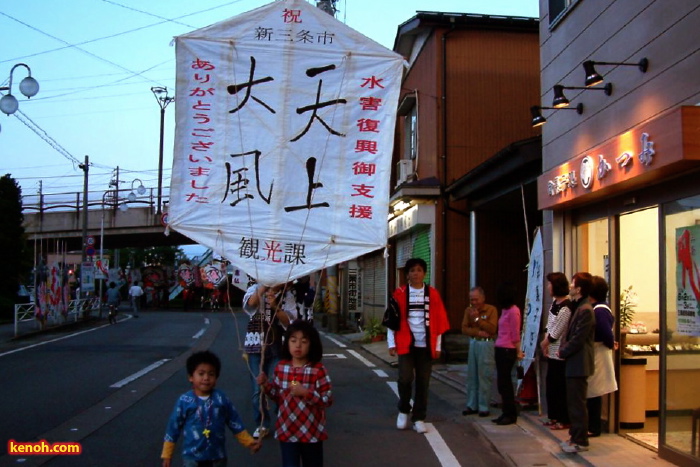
x: 417, y: 342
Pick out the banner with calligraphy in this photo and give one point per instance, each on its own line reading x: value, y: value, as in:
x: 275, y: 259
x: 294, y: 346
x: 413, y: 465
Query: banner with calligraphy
x: 285, y: 127
x: 688, y: 280
x: 532, y: 315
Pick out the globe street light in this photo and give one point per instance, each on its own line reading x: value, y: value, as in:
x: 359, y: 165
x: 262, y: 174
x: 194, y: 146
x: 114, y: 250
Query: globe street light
x: 140, y: 190
x: 28, y: 86
x: 161, y: 95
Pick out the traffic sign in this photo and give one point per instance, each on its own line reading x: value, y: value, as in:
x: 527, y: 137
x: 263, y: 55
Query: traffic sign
x: 90, y: 240
x: 90, y: 251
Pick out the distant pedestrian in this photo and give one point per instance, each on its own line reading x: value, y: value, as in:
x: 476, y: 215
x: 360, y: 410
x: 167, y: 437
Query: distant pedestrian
x: 135, y: 292
x: 557, y: 325
x: 302, y: 390
x: 602, y: 381
x: 507, y: 352
x: 577, y: 350
x: 113, y: 300
x: 480, y: 323
x: 417, y: 342
x: 201, y: 415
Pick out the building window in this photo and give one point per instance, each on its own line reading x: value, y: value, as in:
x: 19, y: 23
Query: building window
x: 411, y: 132
x: 558, y: 9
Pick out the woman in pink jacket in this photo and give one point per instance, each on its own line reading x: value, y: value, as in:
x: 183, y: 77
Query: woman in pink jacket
x: 417, y: 342
x: 507, y: 349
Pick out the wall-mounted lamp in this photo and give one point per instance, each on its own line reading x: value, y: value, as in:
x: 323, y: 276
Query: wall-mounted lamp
x: 539, y: 120
x: 593, y: 77
x: 560, y: 99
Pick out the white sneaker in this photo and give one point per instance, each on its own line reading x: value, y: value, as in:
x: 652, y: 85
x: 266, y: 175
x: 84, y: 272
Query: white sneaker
x: 402, y: 421
x: 260, y: 432
x: 420, y: 427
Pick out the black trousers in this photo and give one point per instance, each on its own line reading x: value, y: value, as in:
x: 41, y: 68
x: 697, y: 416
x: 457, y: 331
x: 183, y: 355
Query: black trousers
x: 556, y: 391
x: 576, y: 389
x: 416, y: 364
x: 505, y: 360
x: 595, y: 411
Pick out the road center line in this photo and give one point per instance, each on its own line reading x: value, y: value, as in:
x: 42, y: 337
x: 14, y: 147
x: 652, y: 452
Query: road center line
x: 139, y: 374
x: 200, y: 333
x: 335, y: 341
x: 361, y: 358
x: 442, y: 451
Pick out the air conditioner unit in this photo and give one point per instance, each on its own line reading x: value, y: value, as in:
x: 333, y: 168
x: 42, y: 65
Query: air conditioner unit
x: 404, y: 171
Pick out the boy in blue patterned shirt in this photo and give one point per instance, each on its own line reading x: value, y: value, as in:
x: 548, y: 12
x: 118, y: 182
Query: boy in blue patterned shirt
x: 202, y: 415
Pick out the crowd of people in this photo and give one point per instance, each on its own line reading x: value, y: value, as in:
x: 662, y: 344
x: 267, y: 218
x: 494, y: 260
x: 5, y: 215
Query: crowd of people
x: 283, y: 352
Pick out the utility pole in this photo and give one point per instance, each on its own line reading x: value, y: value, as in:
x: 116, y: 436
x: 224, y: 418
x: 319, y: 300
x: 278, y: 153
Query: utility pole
x: 86, y: 168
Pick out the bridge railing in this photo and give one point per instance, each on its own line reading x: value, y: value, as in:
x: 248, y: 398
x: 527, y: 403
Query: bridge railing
x: 26, y: 320
x: 73, y: 201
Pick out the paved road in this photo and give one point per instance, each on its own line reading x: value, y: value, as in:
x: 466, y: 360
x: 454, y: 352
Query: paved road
x: 79, y: 388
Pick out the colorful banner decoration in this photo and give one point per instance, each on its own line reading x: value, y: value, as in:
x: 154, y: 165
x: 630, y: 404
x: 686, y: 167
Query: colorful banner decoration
x: 285, y: 129
x: 688, y: 280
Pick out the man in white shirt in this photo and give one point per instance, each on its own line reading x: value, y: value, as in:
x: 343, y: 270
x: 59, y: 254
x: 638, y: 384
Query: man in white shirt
x: 135, y: 292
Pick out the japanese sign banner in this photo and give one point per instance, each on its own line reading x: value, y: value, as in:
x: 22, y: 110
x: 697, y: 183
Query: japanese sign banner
x: 533, y: 302
x: 285, y: 127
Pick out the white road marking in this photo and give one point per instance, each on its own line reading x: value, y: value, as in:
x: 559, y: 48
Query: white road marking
x: 200, y: 333
x: 361, y: 358
x: 139, y: 374
x: 335, y: 355
x: 394, y: 387
x: 53, y: 340
x: 440, y: 448
x: 381, y: 373
x: 335, y: 341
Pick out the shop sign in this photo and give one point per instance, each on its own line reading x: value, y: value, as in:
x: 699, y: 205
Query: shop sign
x: 588, y: 170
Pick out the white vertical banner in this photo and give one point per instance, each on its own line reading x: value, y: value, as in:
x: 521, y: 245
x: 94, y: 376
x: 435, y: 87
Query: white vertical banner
x: 285, y: 128
x: 533, y: 302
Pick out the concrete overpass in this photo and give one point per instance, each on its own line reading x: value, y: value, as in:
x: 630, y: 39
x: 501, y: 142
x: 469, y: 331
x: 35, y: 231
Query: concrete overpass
x: 139, y: 226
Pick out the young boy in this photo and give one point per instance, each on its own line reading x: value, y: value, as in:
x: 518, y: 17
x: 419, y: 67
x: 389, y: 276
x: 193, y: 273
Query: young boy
x: 202, y: 415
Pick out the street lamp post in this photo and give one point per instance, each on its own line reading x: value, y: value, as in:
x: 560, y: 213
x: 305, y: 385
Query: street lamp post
x: 28, y: 86
x: 161, y: 95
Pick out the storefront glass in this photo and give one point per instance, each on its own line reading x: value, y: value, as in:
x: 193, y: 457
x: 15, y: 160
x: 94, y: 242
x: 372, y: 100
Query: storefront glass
x: 682, y: 318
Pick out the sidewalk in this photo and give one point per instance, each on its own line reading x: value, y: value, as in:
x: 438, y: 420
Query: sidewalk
x: 529, y: 443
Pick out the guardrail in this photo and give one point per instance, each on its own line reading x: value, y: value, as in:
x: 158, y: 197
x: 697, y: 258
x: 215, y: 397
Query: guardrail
x: 26, y: 313
x: 73, y: 201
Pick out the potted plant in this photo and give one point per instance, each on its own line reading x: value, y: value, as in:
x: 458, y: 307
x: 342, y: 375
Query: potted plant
x: 628, y: 301
x: 374, y: 331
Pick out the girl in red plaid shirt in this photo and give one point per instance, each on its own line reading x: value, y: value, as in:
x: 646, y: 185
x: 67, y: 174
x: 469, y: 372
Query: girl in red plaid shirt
x: 302, y: 389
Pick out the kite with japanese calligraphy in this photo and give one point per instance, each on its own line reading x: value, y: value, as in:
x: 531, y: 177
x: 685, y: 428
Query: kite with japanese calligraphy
x: 285, y: 127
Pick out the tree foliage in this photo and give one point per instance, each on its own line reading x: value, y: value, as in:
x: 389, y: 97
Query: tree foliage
x: 16, y: 261
x: 151, y: 256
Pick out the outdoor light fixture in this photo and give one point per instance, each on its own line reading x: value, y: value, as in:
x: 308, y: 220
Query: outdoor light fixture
x: 161, y: 95
x: 140, y: 190
x: 539, y: 120
x: 28, y: 86
x: 560, y: 99
x: 593, y: 77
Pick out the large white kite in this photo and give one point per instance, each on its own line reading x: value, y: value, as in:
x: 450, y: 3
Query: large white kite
x: 285, y: 129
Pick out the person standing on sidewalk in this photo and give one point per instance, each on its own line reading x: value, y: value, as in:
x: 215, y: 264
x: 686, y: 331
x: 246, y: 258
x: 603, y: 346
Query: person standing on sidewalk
x: 135, y: 292
x: 480, y: 324
x: 557, y: 325
x: 602, y: 381
x: 577, y: 350
x: 507, y: 352
x: 417, y: 342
